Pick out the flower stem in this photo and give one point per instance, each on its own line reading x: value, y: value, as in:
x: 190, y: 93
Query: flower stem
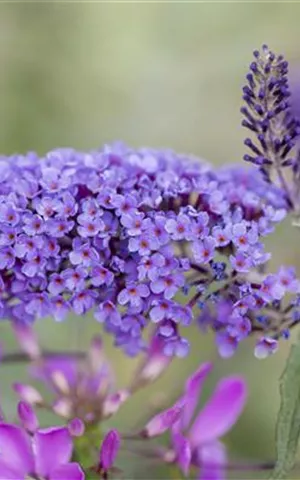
x: 20, y: 357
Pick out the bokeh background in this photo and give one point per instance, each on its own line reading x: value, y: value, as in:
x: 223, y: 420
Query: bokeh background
x: 157, y: 74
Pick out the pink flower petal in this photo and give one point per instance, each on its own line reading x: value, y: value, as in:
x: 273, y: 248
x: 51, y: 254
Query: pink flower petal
x: 221, y: 411
x: 27, y: 417
x: 109, y: 449
x: 16, y: 449
x: 153, y: 364
x: 8, y: 472
x: 53, y: 449
x: 27, y: 339
x: 163, y: 421
x: 193, y: 389
x: 183, y: 451
x: 212, y: 461
x: 71, y: 471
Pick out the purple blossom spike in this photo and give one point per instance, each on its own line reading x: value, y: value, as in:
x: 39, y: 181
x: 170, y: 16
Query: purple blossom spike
x: 267, y: 114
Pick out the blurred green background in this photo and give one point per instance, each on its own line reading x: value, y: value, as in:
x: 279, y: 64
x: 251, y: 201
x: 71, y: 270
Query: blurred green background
x: 157, y: 74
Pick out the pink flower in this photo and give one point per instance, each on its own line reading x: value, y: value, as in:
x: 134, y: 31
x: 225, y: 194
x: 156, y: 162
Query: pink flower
x: 198, y: 443
x: 45, y: 455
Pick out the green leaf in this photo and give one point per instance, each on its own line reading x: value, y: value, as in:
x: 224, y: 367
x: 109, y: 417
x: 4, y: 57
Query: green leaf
x: 288, y: 422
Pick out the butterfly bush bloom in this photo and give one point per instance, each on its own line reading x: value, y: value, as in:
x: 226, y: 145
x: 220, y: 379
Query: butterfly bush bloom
x: 127, y: 233
x: 196, y: 443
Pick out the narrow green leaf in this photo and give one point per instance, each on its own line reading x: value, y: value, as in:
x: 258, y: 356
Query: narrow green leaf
x: 288, y: 422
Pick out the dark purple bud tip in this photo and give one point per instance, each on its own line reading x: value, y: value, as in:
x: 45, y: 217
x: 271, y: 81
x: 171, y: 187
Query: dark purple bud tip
x: 27, y: 417
x: 76, y: 427
x: 109, y: 449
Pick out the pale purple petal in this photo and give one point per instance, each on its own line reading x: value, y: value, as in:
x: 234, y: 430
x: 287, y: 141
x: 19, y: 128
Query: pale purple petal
x: 183, y: 451
x: 163, y: 421
x: 221, y: 411
x: 212, y: 460
x: 193, y: 389
x: 15, y: 448
x: 27, y: 417
x: 53, y: 449
x: 153, y: 365
x: 71, y: 471
x: 76, y: 427
x: 27, y: 339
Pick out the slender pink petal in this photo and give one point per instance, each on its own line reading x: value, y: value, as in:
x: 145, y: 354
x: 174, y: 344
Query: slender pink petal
x: 27, y: 417
x: 71, y: 471
x: 53, y: 449
x: 96, y: 354
x: 27, y: 339
x: 60, y: 372
x: 109, y: 449
x: 15, y: 449
x: 113, y: 402
x: 212, y: 460
x: 193, y: 389
x: 153, y: 365
x: 28, y: 393
x: 163, y: 421
x: 221, y: 411
x: 183, y: 451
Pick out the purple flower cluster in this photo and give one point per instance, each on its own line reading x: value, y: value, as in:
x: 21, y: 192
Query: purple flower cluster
x: 127, y: 233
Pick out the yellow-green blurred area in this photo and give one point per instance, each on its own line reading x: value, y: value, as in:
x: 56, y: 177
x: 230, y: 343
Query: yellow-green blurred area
x: 156, y: 74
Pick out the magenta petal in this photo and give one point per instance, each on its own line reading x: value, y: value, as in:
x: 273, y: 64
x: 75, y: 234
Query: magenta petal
x: 53, y: 449
x: 109, y: 449
x: 8, y: 472
x: 193, y: 388
x: 163, y: 421
x: 212, y: 460
x: 16, y: 449
x: 221, y: 411
x: 183, y: 451
x: 27, y: 417
x: 71, y: 471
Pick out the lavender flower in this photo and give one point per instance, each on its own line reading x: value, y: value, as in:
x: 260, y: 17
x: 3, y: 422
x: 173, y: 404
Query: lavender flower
x: 122, y: 232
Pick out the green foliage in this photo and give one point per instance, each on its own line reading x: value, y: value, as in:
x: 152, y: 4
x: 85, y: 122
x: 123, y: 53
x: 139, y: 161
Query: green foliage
x: 288, y: 423
x: 86, y: 450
